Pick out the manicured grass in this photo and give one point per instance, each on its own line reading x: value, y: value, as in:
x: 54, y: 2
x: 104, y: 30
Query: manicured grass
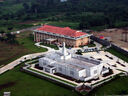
x: 53, y: 77
x: 91, y: 45
x: 28, y: 43
x: 118, y: 54
x: 51, y: 46
x: 23, y: 84
x: 114, y: 87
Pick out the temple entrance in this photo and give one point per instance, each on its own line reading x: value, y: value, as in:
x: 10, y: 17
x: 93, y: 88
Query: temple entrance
x: 50, y: 41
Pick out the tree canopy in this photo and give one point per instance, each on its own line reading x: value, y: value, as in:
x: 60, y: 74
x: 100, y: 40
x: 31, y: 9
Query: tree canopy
x: 90, y: 13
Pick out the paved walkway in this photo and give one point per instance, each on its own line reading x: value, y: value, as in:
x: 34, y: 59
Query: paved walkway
x: 49, y: 49
x: 18, y: 61
x: 23, y: 58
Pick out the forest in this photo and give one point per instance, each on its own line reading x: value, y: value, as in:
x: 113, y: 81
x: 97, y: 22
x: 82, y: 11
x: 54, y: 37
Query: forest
x: 88, y: 13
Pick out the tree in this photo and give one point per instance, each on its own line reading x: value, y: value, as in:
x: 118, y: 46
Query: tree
x: 2, y: 32
x: 11, y: 38
x: 26, y: 6
x: 10, y: 28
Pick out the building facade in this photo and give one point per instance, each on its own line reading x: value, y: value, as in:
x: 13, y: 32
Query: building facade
x: 75, y: 66
x: 51, y: 34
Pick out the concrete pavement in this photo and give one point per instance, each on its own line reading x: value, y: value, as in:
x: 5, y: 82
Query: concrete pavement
x: 49, y: 49
x: 23, y: 58
x: 18, y: 61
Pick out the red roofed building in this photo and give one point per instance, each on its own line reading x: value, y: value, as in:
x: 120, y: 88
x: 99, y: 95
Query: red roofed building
x: 49, y: 34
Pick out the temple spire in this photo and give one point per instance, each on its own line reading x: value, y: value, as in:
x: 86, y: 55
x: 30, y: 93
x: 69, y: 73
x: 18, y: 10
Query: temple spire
x: 64, y: 51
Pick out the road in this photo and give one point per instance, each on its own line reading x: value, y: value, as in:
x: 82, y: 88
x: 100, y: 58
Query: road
x: 18, y: 61
x: 23, y: 58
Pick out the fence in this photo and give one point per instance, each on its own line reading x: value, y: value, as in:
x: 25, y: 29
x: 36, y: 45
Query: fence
x: 107, y: 43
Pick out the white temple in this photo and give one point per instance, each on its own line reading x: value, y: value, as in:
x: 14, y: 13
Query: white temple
x: 75, y: 66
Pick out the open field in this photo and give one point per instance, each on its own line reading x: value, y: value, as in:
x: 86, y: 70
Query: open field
x: 73, y: 25
x: 11, y: 26
x: 115, y: 35
x: 22, y: 84
x: 9, y: 52
x: 26, y: 39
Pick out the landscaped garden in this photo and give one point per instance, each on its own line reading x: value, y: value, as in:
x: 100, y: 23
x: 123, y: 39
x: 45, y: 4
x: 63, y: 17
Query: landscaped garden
x: 50, y: 45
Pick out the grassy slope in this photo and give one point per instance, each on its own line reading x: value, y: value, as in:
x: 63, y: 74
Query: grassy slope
x: 27, y: 85
x: 51, y: 46
x: 115, y: 87
x: 27, y: 41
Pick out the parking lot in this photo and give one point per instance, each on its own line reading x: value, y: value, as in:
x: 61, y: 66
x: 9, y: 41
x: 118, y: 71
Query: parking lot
x: 110, y: 60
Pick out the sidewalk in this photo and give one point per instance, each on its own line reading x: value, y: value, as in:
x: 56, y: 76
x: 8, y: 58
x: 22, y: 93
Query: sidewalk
x: 23, y: 58
x: 18, y: 61
x: 49, y: 49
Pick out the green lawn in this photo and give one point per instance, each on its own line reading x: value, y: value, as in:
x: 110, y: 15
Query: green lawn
x: 10, y: 52
x: 88, y: 45
x: 23, y: 84
x: 28, y: 43
x: 114, y: 87
x: 91, y: 45
x: 118, y: 54
x: 53, y: 77
x: 51, y: 46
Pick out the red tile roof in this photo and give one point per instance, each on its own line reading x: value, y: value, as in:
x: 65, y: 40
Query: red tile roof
x: 101, y: 37
x: 62, y: 31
